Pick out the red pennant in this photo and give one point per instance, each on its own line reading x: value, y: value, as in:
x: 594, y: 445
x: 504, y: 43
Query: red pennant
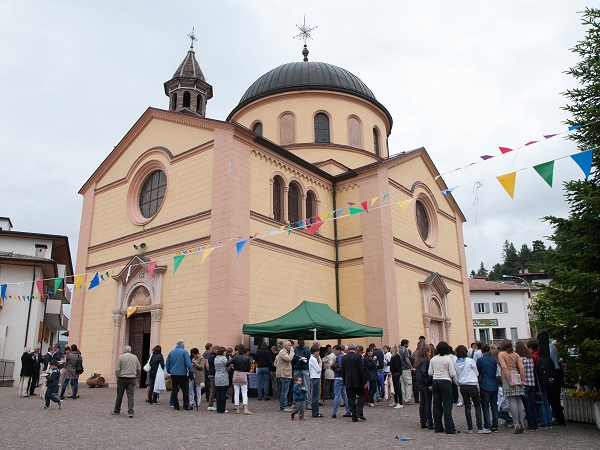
x: 365, y: 205
x: 529, y: 143
x: 40, y: 287
x: 151, y: 266
x: 313, y: 228
x: 505, y: 149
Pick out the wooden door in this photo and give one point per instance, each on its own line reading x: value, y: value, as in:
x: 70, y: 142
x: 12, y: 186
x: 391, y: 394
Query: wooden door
x: 139, y: 334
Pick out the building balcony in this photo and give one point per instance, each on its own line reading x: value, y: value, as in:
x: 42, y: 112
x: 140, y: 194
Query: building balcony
x: 55, y: 316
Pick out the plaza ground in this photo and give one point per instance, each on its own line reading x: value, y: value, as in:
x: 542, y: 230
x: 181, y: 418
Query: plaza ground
x: 87, y: 423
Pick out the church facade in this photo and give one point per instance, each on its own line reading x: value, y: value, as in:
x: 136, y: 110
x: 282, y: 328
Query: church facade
x: 306, y: 139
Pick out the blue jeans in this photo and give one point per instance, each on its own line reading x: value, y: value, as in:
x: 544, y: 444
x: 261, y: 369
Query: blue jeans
x: 545, y: 411
x: 305, y: 382
x: 262, y: 382
x: 504, y: 415
x: 74, y: 384
x: 339, y: 389
x: 315, y: 384
x: 285, y: 387
x: 530, y: 409
x: 489, y: 399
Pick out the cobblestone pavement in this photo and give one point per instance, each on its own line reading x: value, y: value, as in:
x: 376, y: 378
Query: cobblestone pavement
x: 87, y: 423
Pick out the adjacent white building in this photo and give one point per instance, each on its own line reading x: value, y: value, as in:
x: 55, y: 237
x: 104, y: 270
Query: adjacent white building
x: 25, y: 320
x: 500, y: 310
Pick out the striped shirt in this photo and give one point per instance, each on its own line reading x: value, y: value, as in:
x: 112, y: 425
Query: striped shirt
x: 529, y: 371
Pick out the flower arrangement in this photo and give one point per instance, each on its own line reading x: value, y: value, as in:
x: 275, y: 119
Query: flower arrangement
x: 586, y: 393
x: 95, y: 375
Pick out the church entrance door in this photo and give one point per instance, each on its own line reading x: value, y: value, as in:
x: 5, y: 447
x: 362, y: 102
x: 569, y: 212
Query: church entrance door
x: 139, y: 339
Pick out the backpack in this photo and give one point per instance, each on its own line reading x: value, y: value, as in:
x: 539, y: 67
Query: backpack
x: 79, y: 366
x: 547, y: 372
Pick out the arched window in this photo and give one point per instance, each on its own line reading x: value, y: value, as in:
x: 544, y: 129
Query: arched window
x: 198, y: 103
x: 257, y: 128
x: 174, y: 104
x: 152, y: 193
x: 311, y: 210
x: 186, y: 99
x: 287, y: 129
x: 422, y: 220
x: 376, y: 141
x: 293, y: 203
x: 321, y: 128
x: 354, y: 132
x: 277, y: 203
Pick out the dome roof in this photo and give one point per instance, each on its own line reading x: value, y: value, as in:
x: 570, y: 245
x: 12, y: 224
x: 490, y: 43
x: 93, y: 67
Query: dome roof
x: 306, y: 75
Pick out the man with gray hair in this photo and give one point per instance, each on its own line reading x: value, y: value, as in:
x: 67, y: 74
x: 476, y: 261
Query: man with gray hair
x: 127, y: 370
x: 179, y: 365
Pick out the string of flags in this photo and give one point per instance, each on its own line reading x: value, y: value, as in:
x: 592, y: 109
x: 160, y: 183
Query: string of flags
x: 308, y: 226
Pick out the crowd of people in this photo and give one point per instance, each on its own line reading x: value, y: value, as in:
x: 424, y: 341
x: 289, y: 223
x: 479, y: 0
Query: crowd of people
x: 518, y: 384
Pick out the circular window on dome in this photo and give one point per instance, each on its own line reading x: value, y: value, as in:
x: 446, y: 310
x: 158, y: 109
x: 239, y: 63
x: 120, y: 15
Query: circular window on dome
x: 152, y: 193
x: 422, y: 221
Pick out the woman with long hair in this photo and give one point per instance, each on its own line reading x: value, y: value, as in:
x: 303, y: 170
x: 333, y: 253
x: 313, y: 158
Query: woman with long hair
x: 72, y: 375
x: 396, y: 371
x: 371, y: 372
x: 156, y: 359
x: 221, y: 380
x: 529, y: 398
x: 241, y: 366
x: 424, y: 382
x: 512, y: 385
x: 441, y: 368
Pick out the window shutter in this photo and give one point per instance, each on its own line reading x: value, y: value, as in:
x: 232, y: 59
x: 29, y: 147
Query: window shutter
x: 505, y: 307
x: 487, y: 307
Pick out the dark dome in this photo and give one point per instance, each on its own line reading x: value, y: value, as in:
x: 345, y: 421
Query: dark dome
x: 307, y: 75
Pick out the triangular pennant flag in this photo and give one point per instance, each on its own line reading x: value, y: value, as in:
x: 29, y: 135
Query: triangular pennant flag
x: 484, y: 157
x: 57, y: 284
x: 151, y: 266
x: 584, y: 160
x: 3, y: 291
x: 355, y: 210
x: 176, y: 261
x: 78, y: 282
x: 40, y: 286
x: 548, y: 136
x: 239, y: 246
x: 318, y: 219
x: 365, y: 206
x: 530, y: 142
x: 289, y: 228
x: 351, y: 203
x: 338, y: 212
x: 373, y: 200
x: 504, y: 150
x: 508, y: 182
x: 546, y: 171
x: 385, y: 196
x: 447, y: 191
x: 574, y: 127
x: 95, y: 282
x: 300, y: 224
x: 313, y: 228
x: 404, y: 204
x: 206, y: 253
x: 282, y: 227
x: 325, y: 216
x: 102, y: 277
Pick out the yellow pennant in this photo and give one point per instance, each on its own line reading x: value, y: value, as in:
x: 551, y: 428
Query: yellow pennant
x: 508, y: 182
x: 131, y: 310
x: 78, y: 282
x: 282, y: 227
x: 325, y: 216
x: 206, y: 253
x: 373, y: 200
x: 404, y: 204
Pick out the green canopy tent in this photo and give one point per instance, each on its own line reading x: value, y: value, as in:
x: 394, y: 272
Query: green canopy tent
x: 310, y: 318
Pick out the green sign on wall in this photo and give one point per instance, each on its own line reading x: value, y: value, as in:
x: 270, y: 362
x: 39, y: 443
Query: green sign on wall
x: 485, y: 322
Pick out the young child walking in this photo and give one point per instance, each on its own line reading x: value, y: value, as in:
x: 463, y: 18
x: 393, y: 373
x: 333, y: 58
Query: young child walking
x: 52, y: 385
x: 299, y: 399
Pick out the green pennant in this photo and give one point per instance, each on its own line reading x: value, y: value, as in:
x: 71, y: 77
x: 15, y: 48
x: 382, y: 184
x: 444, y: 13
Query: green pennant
x: 385, y: 196
x: 289, y: 229
x: 546, y: 171
x: 355, y: 210
x: 176, y: 261
x: 57, y: 283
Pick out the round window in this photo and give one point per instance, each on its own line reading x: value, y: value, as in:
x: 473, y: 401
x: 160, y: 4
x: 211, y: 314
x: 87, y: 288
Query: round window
x: 422, y: 221
x: 152, y: 193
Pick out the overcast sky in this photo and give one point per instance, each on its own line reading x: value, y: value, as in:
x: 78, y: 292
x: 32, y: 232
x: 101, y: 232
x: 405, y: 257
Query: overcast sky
x: 459, y: 78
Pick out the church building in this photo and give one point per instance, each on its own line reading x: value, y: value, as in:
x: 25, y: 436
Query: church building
x: 307, y: 141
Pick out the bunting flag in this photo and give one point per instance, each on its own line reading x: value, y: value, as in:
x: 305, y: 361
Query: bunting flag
x: 484, y: 157
x: 508, y: 182
x: 355, y: 210
x: 239, y: 246
x: 504, y: 150
x: 281, y: 228
x: 289, y: 228
x: 584, y: 161
x: 530, y: 142
x: 151, y: 266
x: 447, y: 191
x: 102, y: 277
x: 404, y: 204
x: 546, y: 171
x: 339, y: 212
x: 365, y: 206
x: 176, y: 261
x: 131, y: 311
x: 78, y: 282
x: 300, y: 224
x: 373, y: 200
x: 3, y: 291
x: 325, y: 216
x: 548, y: 136
x: 574, y: 127
x: 206, y: 253
x: 40, y: 287
x: 95, y: 282
x: 385, y: 196
x: 313, y: 228
x: 57, y: 284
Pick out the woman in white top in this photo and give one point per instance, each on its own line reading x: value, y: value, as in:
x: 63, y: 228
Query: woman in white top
x: 315, y: 367
x: 468, y: 383
x: 441, y: 367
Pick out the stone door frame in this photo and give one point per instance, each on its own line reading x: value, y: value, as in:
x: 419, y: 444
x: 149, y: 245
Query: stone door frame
x: 433, y: 289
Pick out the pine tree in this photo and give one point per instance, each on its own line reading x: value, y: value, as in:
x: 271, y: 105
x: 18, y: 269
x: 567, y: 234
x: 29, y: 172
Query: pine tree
x: 569, y: 308
x: 525, y: 255
x: 482, y: 272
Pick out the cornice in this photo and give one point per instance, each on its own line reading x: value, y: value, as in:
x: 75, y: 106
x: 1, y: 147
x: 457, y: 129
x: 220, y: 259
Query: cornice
x: 421, y: 270
x: 292, y: 252
x: 429, y: 255
x: 332, y: 146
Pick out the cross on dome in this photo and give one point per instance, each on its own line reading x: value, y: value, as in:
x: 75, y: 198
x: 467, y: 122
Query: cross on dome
x: 305, y: 34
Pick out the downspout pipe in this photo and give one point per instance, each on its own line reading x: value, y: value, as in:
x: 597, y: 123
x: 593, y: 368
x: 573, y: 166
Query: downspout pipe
x: 29, y: 310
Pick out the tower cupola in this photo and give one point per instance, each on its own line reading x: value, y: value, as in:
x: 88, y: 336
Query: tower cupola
x: 188, y: 90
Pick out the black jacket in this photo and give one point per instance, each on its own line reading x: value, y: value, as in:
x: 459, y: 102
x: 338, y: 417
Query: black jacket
x: 52, y: 379
x: 155, y: 360
x: 422, y: 374
x: 396, y: 364
x: 370, y: 368
x: 26, y: 365
x: 353, y: 371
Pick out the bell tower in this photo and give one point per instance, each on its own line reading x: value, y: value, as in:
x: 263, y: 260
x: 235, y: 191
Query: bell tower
x: 188, y: 90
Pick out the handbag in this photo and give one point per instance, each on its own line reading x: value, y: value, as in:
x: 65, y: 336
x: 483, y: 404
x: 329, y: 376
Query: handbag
x: 79, y: 366
x: 159, y: 382
x: 147, y: 365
